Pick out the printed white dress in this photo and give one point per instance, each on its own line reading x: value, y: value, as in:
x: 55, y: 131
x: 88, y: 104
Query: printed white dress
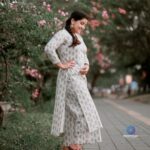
x: 75, y: 115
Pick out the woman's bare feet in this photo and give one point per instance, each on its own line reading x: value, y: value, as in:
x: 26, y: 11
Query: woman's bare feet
x: 75, y: 147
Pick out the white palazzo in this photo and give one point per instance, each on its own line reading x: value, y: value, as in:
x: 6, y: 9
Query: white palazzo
x: 75, y: 114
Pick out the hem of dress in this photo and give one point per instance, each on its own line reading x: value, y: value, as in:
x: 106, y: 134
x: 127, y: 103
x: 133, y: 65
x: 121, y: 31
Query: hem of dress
x: 83, y: 143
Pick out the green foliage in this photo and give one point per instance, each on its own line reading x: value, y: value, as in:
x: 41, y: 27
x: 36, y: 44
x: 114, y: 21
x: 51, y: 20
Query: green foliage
x: 29, y: 131
x: 23, y: 39
x: 22, y: 44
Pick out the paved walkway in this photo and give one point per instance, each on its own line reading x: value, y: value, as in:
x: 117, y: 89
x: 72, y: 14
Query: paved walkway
x: 116, y: 115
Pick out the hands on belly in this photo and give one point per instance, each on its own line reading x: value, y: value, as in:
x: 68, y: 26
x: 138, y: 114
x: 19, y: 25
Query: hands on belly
x: 70, y: 64
x: 66, y: 65
x: 84, y: 70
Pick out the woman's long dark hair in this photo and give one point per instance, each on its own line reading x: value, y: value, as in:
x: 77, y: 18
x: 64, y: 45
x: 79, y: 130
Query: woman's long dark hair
x: 76, y: 15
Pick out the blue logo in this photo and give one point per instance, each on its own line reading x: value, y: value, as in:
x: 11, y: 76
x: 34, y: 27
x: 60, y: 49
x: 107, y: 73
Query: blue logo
x: 131, y: 130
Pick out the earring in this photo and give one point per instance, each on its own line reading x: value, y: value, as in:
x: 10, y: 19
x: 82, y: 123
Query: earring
x: 71, y: 26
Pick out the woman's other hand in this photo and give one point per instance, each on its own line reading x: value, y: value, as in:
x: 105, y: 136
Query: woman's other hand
x: 66, y: 65
x: 84, y: 70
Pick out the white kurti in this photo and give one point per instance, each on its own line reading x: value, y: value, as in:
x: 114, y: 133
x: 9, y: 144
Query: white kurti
x: 75, y: 113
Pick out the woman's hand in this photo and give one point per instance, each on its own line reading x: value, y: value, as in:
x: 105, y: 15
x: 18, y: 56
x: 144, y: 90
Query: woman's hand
x: 67, y: 65
x: 84, y: 70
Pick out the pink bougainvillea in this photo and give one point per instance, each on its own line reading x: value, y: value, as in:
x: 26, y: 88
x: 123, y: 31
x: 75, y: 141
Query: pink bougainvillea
x: 35, y: 93
x: 41, y: 23
x: 99, y: 57
x: 48, y: 7
x: 13, y: 5
x: 33, y: 73
x: 122, y: 11
x: 94, y: 23
x: 105, y: 14
x: 62, y: 13
x: 103, y: 61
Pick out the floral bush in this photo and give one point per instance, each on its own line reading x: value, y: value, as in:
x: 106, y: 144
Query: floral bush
x: 27, y: 76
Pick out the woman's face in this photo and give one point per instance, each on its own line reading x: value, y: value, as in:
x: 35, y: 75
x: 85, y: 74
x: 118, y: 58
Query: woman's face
x: 79, y: 25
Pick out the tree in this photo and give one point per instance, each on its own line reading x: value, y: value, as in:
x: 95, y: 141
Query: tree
x: 117, y: 27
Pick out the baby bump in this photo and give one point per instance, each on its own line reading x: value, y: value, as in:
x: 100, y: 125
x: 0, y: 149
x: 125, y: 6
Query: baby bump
x: 74, y: 70
x: 76, y: 77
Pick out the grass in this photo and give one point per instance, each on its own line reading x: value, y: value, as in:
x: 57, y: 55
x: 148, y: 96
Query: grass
x: 29, y: 130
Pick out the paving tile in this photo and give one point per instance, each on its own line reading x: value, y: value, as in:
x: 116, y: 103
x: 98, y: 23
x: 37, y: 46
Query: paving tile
x: 115, y: 122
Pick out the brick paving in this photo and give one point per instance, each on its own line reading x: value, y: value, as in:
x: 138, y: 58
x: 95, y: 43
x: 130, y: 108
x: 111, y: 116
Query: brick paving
x: 116, y: 116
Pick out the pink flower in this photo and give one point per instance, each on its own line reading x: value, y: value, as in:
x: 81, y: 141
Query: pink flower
x: 36, y: 93
x: 33, y: 73
x: 122, y: 11
x: 63, y: 13
x: 103, y: 61
x: 95, y: 23
x: 59, y: 11
x: 41, y: 23
x: 48, y: 7
x: 99, y: 57
x: 105, y: 14
x: 13, y: 5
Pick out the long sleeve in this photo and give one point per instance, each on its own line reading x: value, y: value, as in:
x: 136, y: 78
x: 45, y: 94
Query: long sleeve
x: 53, y: 45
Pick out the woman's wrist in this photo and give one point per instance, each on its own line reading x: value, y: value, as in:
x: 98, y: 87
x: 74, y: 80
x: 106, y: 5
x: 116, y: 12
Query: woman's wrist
x: 66, y: 65
x: 86, y: 64
x: 60, y: 65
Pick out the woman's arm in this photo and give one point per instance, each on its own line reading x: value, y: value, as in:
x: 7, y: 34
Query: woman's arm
x: 53, y: 45
x: 67, y: 65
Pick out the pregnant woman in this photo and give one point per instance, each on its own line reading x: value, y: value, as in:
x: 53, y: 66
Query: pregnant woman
x: 75, y: 115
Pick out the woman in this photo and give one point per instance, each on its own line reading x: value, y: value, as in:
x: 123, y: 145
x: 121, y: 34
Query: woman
x: 75, y: 116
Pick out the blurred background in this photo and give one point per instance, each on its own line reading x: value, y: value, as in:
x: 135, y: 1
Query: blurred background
x: 118, y: 41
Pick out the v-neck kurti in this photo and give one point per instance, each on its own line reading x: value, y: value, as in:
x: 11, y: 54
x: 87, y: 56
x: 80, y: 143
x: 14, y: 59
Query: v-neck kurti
x: 75, y: 114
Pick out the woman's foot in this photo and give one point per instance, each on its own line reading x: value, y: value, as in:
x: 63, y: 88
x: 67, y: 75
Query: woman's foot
x: 75, y: 147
